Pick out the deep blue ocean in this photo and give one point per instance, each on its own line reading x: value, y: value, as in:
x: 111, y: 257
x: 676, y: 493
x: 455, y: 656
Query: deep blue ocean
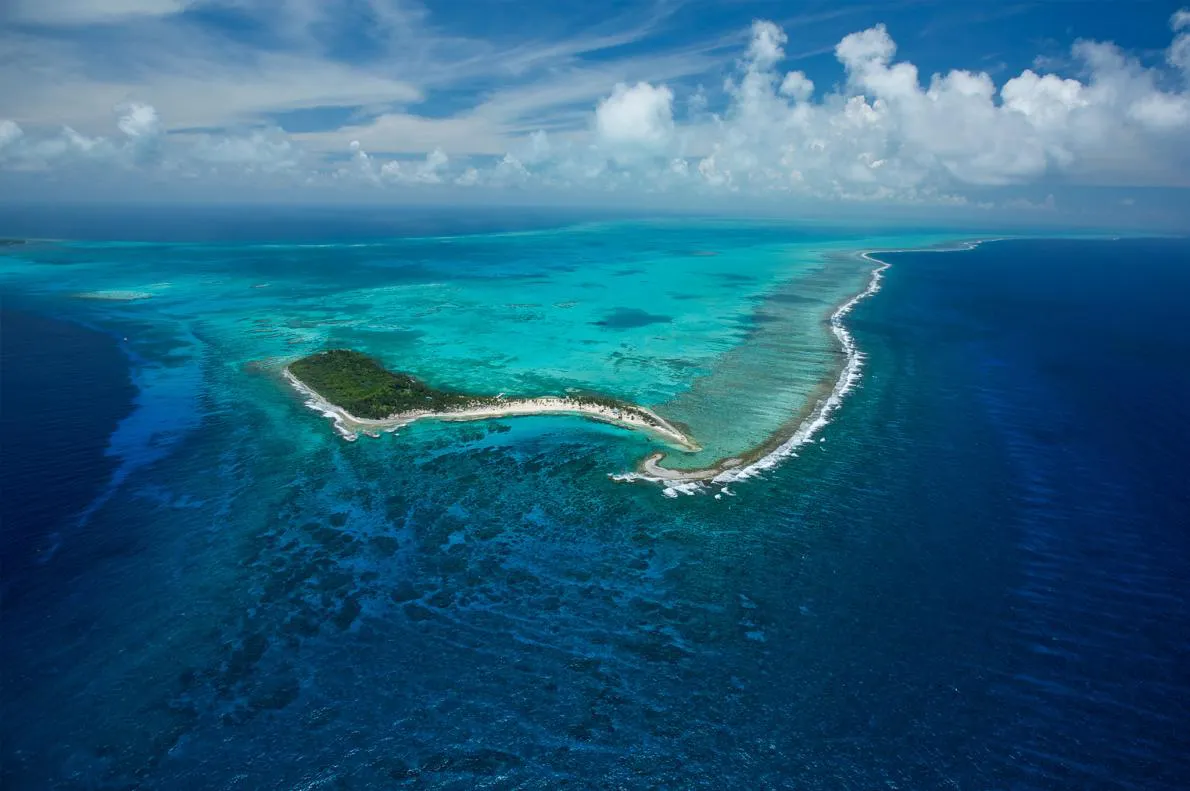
x: 975, y: 580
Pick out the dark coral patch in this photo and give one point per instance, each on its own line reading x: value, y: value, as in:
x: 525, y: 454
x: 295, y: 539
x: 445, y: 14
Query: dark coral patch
x: 630, y: 318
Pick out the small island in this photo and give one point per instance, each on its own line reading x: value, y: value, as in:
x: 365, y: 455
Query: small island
x: 362, y: 396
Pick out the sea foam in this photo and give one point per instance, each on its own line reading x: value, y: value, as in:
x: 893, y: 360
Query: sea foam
x: 848, y: 378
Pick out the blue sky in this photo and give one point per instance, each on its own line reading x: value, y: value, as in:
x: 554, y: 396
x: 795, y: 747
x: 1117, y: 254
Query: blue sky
x: 1033, y: 107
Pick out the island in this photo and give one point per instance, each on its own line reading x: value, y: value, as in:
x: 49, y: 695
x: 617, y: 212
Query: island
x: 362, y: 396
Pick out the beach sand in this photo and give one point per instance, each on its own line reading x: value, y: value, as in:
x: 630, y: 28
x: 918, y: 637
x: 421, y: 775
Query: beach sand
x: 781, y: 445
x: 350, y: 427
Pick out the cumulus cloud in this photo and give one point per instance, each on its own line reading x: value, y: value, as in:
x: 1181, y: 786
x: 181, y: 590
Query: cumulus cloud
x: 635, y: 118
x: 468, y: 178
x: 797, y: 86
x: 884, y: 131
x: 142, y: 145
x: 21, y: 151
x: 138, y: 121
x: 1178, y: 54
x: 887, y: 132
x: 257, y: 150
x: 431, y: 170
x: 10, y: 133
x: 142, y: 126
x: 960, y: 129
x: 767, y: 46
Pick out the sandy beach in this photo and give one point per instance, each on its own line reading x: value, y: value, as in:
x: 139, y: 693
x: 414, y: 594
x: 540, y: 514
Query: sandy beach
x: 781, y: 445
x: 350, y: 427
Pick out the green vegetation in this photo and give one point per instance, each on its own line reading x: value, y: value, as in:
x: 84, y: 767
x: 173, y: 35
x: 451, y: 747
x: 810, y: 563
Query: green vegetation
x: 365, y: 388
x: 590, y: 399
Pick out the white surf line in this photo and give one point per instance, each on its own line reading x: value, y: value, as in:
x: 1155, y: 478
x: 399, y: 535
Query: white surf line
x: 696, y: 480
x: 339, y: 417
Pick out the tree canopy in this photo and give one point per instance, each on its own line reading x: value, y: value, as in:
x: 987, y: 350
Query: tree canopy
x: 365, y: 388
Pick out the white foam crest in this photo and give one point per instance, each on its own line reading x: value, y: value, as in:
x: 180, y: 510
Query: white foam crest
x: 322, y: 407
x: 821, y: 416
x: 681, y: 487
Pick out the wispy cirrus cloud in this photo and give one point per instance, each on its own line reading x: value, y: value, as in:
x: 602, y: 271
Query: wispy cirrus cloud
x: 83, y: 12
x: 201, y: 90
x: 234, y: 63
x: 195, y: 75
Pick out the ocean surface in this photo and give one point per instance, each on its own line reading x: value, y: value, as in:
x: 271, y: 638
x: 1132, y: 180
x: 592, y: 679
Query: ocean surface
x: 972, y: 577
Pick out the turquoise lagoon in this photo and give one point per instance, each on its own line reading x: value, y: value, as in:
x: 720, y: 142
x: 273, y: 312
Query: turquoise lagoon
x: 720, y: 326
x: 973, y: 579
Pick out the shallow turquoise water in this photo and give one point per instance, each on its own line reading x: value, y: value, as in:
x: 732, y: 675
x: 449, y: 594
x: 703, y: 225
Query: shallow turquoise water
x: 720, y: 326
x: 974, y: 580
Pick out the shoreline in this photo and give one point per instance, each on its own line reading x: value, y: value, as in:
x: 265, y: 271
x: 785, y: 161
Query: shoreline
x: 349, y: 427
x: 780, y: 446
